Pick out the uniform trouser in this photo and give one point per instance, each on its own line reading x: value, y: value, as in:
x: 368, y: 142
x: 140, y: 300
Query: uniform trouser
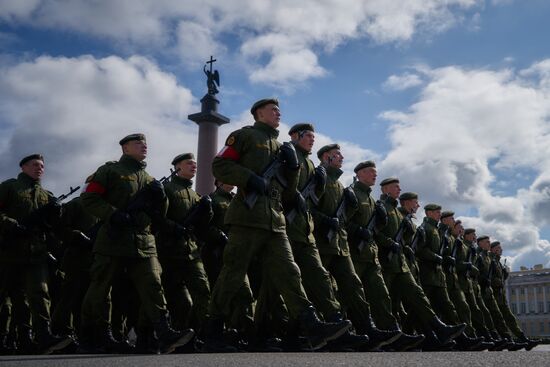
x: 315, y: 278
x: 441, y: 303
x: 509, y: 318
x: 178, y: 274
x: 145, y: 275
x: 350, y: 289
x: 478, y: 321
x: 5, y: 316
x: 273, y: 250
x: 376, y: 293
x: 492, y: 306
x: 27, y: 283
x: 462, y: 309
x: 487, y: 318
x: 404, y: 289
x: 66, y: 313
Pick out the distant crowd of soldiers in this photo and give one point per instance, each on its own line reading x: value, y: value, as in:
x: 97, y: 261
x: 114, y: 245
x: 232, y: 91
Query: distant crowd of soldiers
x: 293, y: 261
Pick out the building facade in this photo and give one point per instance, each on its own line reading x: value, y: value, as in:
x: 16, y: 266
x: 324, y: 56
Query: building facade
x: 528, y: 294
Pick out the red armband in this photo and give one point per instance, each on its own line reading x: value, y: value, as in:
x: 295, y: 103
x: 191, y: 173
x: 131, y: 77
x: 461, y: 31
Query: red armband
x: 228, y: 152
x: 95, y: 188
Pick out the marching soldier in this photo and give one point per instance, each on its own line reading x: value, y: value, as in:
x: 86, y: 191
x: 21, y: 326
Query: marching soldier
x: 497, y: 283
x: 364, y: 253
x: 27, y: 212
x: 330, y: 215
x: 126, y: 199
x: 251, y: 158
x: 188, y: 216
x: 398, y: 278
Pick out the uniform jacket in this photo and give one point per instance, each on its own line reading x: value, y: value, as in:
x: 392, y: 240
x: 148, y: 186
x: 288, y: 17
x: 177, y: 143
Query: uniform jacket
x: 431, y: 272
x: 385, y: 237
x: 360, y: 219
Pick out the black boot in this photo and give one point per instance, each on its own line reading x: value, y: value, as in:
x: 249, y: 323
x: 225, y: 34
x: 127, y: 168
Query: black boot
x: 319, y: 332
x: 484, y: 345
x: 405, y: 342
x: 106, y: 343
x: 378, y: 338
x: 348, y: 342
x: 531, y: 343
x: 214, y: 341
x: 464, y: 342
x: 431, y: 343
x: 500, y: 343
x: 444, y: 332
x: 515, y: 345
x: 169, y: 339
x: 48, y: 343
x: 146, y: 343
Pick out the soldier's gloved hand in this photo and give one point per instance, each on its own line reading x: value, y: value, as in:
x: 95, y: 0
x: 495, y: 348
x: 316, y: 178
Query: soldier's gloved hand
x: 438, y: 259
x: 395, y: 247
x: 257, y: 184
x: 365, y: 234
x: 120, y: 218
x: 180, y: 232
x: 449, y: 261
x: 381, y: 214
x: 350, y: 198
x: 468, y: 266
x: 157, y: 191
x: 320, y: 175
x: 205, y: 204
x: 332, y: 223
x: 408, y: 225
x: 287, y: 154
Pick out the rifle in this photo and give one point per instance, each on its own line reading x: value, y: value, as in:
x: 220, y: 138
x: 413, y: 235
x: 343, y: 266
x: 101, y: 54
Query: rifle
x: 444, y: 242
x: 453, y: 254
x: 39, y: 217
x: 399, y: 235
x: 271, y: 171
x: 340, y: 213
x: 370, y: 227
x: 469, y: 259
x: 308, y: 192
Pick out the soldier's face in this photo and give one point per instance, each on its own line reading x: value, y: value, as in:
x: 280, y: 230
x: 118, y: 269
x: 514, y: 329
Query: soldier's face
x: 306, y: 141
x: 392, y: 190
x: 269, y: 114
x: 187, y: 168
x: 434, y: 214
x: 411, y: 206
x: 334, y: 158
x: 34, y: 169
x: 485, y: 244
x: 458, y: 229
x: 136, y: 149
x: 450, y: 221
x: 470, y: 237
x: 367, y: 176
x: 497, y: 250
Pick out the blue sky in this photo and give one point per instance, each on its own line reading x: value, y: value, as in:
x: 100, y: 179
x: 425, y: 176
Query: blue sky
x: 451, y: 96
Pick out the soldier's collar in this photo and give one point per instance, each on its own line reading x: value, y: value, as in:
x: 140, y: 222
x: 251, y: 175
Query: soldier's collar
x: 442, y: 226
x: 388, y: 199
x: 182, y: 181
x: 268, y: 129
x: 361, y: 186
x: 27, y: 179
x: 131, y: 162
x: 334, y: 172
x: 430, y: 221
x: 301, y: 150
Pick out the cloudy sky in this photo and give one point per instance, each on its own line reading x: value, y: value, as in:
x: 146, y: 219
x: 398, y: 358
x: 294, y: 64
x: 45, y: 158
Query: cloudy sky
x: 451, y: 96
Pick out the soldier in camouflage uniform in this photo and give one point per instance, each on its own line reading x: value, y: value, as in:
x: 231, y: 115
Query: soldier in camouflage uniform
x: 26, y: 212
x: 364, y: 253
x: 497, y: 283
x: 188, y: 216
x: 398, y: 278
x: 127, y: 200
x: 332, y: 240
x: 258, y: 227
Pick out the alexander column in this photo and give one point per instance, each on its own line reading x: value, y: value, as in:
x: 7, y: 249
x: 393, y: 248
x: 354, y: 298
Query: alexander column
x: 208, y: 120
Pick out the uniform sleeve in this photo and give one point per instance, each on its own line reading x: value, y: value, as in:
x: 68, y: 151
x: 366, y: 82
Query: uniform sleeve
x: 381, y: 237
x: 460, y: 258
x: 226, y: 167
x: 424, y: 251
x: 93, y: 197
x: 6, y: 222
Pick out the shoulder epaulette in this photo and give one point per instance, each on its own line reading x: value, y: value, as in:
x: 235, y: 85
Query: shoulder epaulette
x: 10, y: 180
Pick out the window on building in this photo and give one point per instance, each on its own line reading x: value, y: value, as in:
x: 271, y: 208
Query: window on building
x: 514, y: 308
x: 513, y: 291
x: 548, y: 307
x: 541, y: 307
x: 522, y: 291
x: 522, y: 308
x: 531, y: 307
x: 541, y: 328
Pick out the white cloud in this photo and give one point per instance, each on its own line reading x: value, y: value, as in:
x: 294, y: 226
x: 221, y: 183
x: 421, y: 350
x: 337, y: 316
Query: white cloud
x: 468, y: 128
x: 74, y: 111
x: 402, y: 82
x: 193, y: 30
